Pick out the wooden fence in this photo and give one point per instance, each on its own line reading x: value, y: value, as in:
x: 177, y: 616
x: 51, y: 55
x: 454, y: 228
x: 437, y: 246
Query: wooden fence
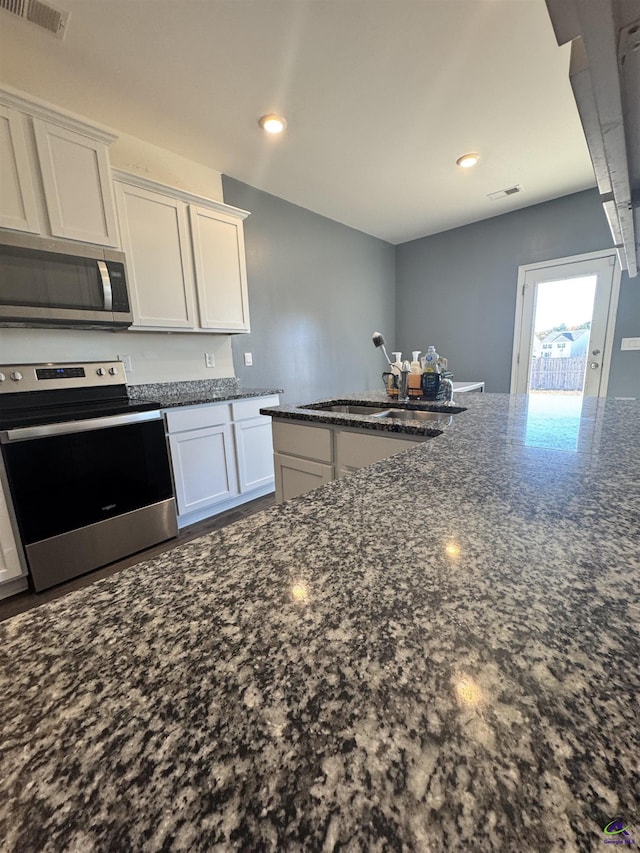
x: 557, y: 374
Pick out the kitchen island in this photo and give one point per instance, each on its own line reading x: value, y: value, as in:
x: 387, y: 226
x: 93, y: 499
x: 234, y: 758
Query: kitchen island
x: 439, y: 652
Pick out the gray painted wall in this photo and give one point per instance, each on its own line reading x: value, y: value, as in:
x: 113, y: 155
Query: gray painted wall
x: 457, y: 290
x: 317, y: 291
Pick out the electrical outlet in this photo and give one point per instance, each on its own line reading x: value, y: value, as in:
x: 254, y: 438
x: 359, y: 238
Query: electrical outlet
x: 630, y: 343
x: 126, y: 360
x: 248, y: 359
x: 209, y: 359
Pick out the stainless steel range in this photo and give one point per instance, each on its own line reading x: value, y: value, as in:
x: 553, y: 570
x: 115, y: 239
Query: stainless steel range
x: 87, y: 469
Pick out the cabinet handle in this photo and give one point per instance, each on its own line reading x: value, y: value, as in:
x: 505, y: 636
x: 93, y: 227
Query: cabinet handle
x: 107, y: 293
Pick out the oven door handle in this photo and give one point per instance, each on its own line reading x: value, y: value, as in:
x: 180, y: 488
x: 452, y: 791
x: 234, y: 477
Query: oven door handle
x: 71, y: 427
x: 107, y: 292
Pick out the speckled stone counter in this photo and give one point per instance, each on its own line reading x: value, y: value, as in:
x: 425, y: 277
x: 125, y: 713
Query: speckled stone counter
x: 196, y: 392
x: 440, y: 652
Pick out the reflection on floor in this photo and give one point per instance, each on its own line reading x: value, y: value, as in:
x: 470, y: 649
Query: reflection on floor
x: 26, y: 600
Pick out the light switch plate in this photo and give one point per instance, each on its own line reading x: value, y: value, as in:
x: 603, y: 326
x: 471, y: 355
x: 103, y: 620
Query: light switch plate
x: 630, y: 343
x: 248, y: 359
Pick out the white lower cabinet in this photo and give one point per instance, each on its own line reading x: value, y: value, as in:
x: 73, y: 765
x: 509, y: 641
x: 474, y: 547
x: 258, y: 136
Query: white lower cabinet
x: 255, y: 453
x: 204, y: 467
x: 221, y: 455
x: 12, y: 573
x: 308, y: 456
x: 296, y: 476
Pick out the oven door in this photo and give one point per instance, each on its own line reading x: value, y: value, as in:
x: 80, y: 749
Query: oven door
x: 86, y: 493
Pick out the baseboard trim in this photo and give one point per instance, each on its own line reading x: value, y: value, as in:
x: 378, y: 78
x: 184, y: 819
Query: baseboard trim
x: 211, y: 511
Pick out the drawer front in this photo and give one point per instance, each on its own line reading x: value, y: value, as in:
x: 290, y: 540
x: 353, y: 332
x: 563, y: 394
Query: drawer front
x: 311, y: 442
x: 198, y: 417
x: 244, y: 409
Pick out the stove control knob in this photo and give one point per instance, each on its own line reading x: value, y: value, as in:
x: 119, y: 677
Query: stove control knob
x: 2, y: 377
x: 16, y: 376
x: 101, y: 371
x: 113, y: 371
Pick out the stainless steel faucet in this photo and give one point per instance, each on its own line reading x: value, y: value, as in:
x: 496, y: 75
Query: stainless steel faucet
x: 448, y: 386
x: 403, y: 382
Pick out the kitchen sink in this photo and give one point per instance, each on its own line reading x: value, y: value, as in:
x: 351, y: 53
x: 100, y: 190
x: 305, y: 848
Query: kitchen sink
x: 348, y: 409
x: 438, y: 419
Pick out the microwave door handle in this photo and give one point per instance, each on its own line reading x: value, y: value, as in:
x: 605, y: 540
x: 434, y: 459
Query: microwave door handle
x: 107, y: 293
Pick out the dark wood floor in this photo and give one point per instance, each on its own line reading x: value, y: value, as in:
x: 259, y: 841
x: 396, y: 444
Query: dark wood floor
x: 26, y: 600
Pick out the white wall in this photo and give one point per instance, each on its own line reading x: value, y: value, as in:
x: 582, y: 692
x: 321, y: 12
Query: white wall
x: 142, y: 158
x: 155, y: 357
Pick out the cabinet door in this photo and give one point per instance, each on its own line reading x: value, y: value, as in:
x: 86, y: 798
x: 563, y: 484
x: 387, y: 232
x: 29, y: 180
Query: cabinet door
x: 77, y: 184
x: 204, y: 467
x: 9, y: 559
x: 355, y: 450
x: 255, y: 453
x: 296, y: 476
x: 220, y: 268
x: 155, y: 237
x: 18, y: 208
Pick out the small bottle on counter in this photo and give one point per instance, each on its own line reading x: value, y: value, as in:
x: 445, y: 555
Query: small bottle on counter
x: 415, y: 376
x: 396, y: 372
x: 430, y: 361
x: 430, y: 379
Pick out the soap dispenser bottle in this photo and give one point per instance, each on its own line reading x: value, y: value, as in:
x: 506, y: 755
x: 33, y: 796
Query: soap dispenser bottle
x: 431, y: 361
x: 431, y: 375
x: 415, y: 376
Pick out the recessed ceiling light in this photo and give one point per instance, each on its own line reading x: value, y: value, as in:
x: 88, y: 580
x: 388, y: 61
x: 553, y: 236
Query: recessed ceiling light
x: 272, y: 123
x: 467, y: 160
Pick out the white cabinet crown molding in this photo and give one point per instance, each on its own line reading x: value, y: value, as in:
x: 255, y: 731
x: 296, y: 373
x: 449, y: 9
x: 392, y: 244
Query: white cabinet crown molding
x: 37, y: 108
x: 177, y: 193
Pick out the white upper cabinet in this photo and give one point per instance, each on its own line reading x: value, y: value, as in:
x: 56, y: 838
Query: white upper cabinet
x: 221, y: 276
x: 77, y: 184
x: 185, y: 258
x: 18, y: 207
x: 154, y: 231
x: 54, y: 173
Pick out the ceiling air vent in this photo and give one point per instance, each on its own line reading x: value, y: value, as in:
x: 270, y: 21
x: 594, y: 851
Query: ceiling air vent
x: 41, y: 14
x: 503, y: 193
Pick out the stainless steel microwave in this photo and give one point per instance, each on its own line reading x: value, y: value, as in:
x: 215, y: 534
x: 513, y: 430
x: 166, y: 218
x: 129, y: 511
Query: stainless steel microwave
x: 46, y: 282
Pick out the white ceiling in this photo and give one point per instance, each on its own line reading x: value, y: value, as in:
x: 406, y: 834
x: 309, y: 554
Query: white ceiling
x: 381, y: 97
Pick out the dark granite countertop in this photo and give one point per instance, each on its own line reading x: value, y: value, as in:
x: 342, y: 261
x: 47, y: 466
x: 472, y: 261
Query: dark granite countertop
x: 440, y: 652
x: 196, y: 392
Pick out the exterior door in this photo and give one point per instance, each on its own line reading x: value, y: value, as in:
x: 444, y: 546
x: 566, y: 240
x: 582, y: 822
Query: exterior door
x: 565, y: 316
